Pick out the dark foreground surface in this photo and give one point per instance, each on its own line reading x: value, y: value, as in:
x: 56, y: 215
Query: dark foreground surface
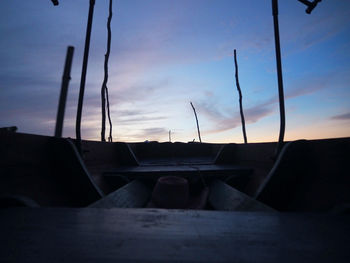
x: 156, y: 235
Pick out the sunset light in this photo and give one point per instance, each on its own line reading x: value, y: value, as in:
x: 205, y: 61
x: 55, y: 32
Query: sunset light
x: 165, y: 54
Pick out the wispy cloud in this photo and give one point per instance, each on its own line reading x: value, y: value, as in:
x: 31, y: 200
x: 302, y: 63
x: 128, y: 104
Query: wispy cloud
x: 305, y: 33
x: 341, y: 117
x: 150, y: 134
x: 153, y: 131
x: 304, y: 86
x: 231, y: 119
x: 139, y: 120
x: 163, y: 54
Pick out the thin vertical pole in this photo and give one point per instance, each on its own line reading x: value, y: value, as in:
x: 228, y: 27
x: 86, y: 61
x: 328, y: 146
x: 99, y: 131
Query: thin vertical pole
x: 104, y: 89
x: 279, y: 75
x: 83, y: 74
x: 195, y: 115
x: 110, y: 139
x: 240, y: 98
x: 64, y: 89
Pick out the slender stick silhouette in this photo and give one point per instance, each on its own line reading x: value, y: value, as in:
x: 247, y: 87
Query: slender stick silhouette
x: 83, y: 75
x: 195, y: 115
x: 64, y: 90
x: 279, y: 77
x: 104, y: 89
x: 240, y: 99
x: 110, y: 138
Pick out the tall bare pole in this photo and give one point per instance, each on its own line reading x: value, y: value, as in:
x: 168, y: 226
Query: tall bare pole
x: 83, y: 75
x: 64, y: 91
x: 279, y: 75
x: 310, y: 6
x: 195, y: 115
x: 110, y: 139
x: 240, y: 98
x: 104, y: 89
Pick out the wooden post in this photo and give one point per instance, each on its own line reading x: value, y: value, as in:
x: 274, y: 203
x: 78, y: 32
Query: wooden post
x: 104, y: 90
x: 195, y: 115
x: 64, y: 89
x: 83, y: 75
x: 279, y: 76
x: 240, y: 99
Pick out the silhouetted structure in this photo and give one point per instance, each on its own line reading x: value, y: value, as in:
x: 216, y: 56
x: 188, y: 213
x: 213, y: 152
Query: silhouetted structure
x: 104, y: 89
x: 279, y: 76
x: 195, y: 115
x: 83, y: 74
x: 67, y: 199
x: 64, y: 89
x: 240, y: 99
x: 310, y: 5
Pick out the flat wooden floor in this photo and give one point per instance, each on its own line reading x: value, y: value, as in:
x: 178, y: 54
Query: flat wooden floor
x: 156, y: 235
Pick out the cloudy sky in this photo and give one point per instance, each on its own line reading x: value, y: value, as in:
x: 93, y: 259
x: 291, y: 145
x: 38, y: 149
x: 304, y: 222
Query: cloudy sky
x: 167, y: 53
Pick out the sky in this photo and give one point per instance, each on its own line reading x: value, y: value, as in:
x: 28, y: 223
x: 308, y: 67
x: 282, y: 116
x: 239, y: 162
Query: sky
x: 166, y: 54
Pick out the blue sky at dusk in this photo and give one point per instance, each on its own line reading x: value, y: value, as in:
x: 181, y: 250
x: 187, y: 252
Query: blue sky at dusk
x: 165, y: 54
